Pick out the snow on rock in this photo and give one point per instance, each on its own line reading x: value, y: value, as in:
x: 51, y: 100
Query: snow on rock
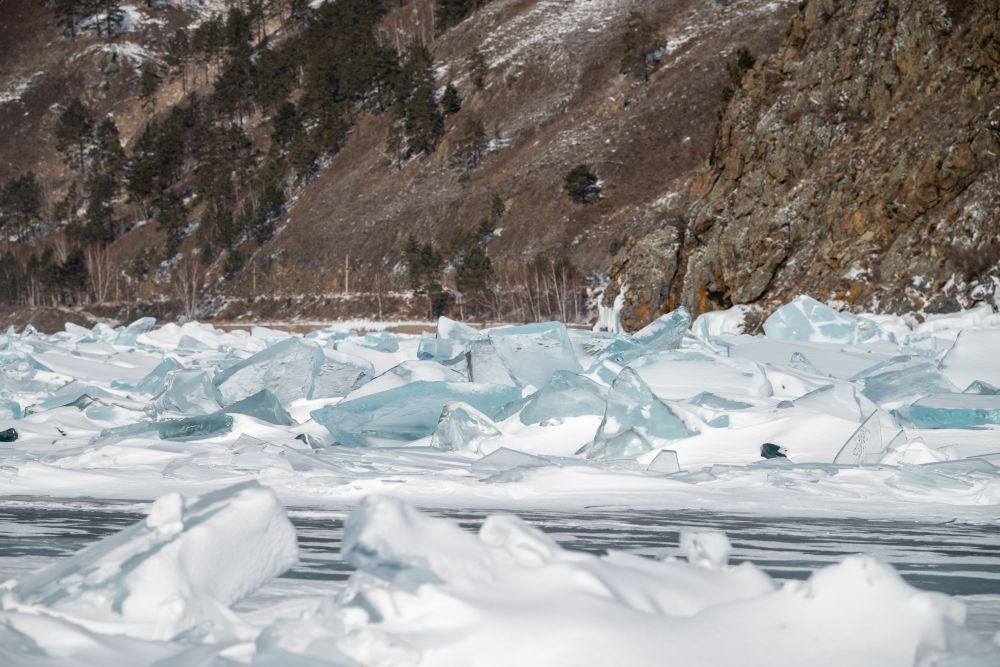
x: 182, y: 566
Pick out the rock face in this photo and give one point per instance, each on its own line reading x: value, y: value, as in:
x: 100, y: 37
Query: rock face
x: 861, y: 162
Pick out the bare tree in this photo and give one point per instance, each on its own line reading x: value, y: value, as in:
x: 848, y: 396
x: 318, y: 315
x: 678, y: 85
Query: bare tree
x: 186, y: 283
x: 100, y: 270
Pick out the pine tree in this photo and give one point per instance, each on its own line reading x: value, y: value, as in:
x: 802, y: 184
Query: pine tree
x: 422, y: 120
x: 471, y: 148
x: 451, y: 101
x: 74, y: 132
x: 478, y: 68
x: 21, y: 206
x: 68, y: 15
x: 285, y: 123
x: 100, y: 226
x: 582, y: 185
x: 450, y: 13
x: 178, y: 54
x: 107, y: 154
x: 149, y: 82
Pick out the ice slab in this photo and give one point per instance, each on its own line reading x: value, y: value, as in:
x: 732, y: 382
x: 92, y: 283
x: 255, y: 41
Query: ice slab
x: 406, y: 413
x: 897, y: 385
x: 462, y: 428
x: 188, y: 391
x: 953, y: 411
x: 340, y: 374
x: 635, y: 421
x: 450, y: 342
x: 485, y: 365
x: 264, y: 406
x: 665, y: 332
x: 182, y: 566
x: 287, y: 369
x: 194, y: 428
x: 533, y: 352
x: 974, y: 356
x: 806, y: 319
x: 865, y: 445
x: 155, y: 381
x: 664, y: 463
x: 503, y: 458
x: 565, y: 395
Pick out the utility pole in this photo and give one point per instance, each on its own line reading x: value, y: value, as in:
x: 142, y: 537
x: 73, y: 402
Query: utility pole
x: 347, y: 274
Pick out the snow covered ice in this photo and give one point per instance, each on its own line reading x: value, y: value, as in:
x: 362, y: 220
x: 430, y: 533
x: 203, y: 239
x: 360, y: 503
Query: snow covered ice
x: 875, y: 417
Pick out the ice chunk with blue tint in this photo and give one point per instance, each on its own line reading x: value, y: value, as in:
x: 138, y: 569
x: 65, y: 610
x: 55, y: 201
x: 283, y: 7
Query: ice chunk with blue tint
x: 485, y: 364
x: 406, y: 413
x: 9, y: 410
x: 264, y: 406
x: 383, y: 341
x: 899, y: 385
x: 128, y: 335
x: 800, y: 362
x: 665, y: 332
x: 189, y: 392
x: 180, y: 567
x: 953, y: 411
x: 340, y: 374
x: 463, y: 428
x: 707, y: 399
x: 839, y: 399
x: 865, y: 445
x: 533, y: 352
x: 635, y: 421
x: 288, y: 369
x: 806, y: 319
x: 451, y: 341
x: 565, y: 395
x: 71, y: 392
x: 155, y: 381
x: 195, y: 428
x: 665, y: 463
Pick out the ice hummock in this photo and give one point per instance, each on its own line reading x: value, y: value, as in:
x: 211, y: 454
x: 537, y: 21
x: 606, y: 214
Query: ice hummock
x: 635, y: 421
x: 806, y: 319
x: 405, y: 413
x: 287, y: 369
x: 463, y: 428
x: 184, y: 565
x: 533, y: 352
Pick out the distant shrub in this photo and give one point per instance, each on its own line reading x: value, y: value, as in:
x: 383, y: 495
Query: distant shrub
x: 582, y: 185
x: 736, y: 68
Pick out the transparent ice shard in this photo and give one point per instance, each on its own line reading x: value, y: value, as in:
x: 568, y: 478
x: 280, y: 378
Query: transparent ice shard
x: 897, y: 386
x: 707, y: 399
x: 287, y: 368
x: 72, y: 392
x: 839, y: 399
x: 800, y: 362
x: 506, y: 459
x: 182, y: 566
x: 340, y: 374
x: 665, y: 332
x: 635, y: 421
x: 383, y: 341
x: 665, y: 463
x: 565, y: 395
x: 155, y: 381
x: 195, y: 428
x: 264, y: 406
x: 485, y: 364
x: 980, y: 387
x: 128, y: 335
x: 451, y: 341
x: 533, y: 352
x: 865, y: 445
x: 462, y: 428
x: 188, y: 391
x: 406, y: 413
x: 953, y: 411
x: 974, y: 357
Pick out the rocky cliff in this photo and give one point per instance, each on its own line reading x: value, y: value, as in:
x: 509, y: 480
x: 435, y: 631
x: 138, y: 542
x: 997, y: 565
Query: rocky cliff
x: 859, y: 163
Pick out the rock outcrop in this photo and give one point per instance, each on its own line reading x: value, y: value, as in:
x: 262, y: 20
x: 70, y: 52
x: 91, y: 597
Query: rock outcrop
x: 860, y: 163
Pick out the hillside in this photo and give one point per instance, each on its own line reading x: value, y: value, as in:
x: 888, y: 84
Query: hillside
x: 554, y: 95
x: 860, y: 163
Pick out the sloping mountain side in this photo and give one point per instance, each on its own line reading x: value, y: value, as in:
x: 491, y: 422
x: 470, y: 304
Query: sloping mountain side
x: 859, y: 163
x: 289, y: 158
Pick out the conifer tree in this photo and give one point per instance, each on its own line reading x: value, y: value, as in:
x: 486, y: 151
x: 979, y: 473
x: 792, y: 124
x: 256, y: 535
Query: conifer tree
x: 471, y: 148
x: 638, y: 44
x: 74, y: 132
x: 451, y: 101
x: 478, y: 68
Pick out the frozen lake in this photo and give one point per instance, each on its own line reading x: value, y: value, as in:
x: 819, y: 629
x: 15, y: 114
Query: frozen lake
x: 954, y: 558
